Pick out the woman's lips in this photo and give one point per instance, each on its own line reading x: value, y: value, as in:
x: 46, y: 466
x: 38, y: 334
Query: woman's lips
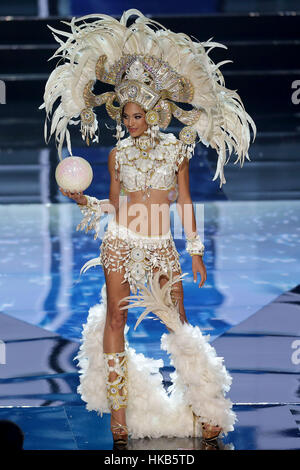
x: 132, y: 130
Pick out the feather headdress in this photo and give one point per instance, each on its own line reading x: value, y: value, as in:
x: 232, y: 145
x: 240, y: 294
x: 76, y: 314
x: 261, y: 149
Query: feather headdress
x: 154, y: 67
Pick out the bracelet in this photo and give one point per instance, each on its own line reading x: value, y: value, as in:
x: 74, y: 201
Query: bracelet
x: 91, y: 202
x: 92, y: 212
x: 194, y: 246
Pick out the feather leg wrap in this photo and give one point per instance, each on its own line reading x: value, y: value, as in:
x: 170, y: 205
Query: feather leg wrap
x: 199, y: 371
x: 202, y: 374
x: 199, y: 381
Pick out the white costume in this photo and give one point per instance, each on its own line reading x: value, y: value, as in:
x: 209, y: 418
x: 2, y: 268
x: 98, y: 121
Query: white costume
x: 142, y: 168
x: 154, y: 68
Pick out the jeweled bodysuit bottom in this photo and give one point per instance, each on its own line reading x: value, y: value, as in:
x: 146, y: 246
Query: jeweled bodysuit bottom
x: 139, y: 255
x: 199, y: 381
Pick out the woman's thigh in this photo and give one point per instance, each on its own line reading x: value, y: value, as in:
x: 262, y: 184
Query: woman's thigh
x: 116, y: 286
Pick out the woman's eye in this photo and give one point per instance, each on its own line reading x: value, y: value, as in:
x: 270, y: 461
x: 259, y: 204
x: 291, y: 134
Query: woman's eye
x: 135, y: 117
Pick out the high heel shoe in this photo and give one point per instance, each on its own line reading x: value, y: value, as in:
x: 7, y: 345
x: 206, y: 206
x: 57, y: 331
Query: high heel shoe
x: 213, y: 445
x: 120, y: 435
x: 206, y: 432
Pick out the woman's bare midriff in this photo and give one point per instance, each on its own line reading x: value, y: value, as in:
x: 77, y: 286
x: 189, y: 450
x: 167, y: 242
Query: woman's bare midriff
x: 150, y: 217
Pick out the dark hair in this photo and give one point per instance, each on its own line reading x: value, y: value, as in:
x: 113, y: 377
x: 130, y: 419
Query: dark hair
x: 11, y: 435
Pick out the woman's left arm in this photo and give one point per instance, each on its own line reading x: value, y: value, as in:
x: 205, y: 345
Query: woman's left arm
x: 185, y: 209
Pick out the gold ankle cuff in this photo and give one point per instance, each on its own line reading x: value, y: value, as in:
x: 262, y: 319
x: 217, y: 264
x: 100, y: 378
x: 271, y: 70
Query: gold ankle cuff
x: 117, y: 391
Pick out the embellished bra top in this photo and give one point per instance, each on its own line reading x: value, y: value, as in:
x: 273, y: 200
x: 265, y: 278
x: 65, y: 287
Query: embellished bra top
x: 142, y: 167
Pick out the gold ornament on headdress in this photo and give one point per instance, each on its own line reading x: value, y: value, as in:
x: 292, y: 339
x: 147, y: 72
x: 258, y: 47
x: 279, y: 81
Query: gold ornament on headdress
x: 155, y: 68
x: 147, y: 81
x: 152, y: 117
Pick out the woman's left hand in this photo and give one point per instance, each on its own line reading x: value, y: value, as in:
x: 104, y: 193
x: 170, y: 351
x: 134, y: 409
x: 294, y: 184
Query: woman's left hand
x: 198, y: 266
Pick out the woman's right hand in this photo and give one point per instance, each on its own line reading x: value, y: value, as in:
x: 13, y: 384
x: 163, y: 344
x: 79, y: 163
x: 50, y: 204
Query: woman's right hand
x: 79, y: 197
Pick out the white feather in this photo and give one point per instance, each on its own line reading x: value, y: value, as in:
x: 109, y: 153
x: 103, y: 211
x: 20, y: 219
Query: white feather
x: 223, y: 124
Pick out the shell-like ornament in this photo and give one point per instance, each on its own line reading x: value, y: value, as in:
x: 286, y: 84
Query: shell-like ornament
x: 137, y: 271
x: 137, y: 254
x: 144, y: 165
x: 155, y: 154
x: 133, y: 153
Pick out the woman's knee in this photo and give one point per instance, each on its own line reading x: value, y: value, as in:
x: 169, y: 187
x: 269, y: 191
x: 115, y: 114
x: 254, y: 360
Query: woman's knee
x: 116, y: 321
x: 177, y: 293
x: 116, y: 318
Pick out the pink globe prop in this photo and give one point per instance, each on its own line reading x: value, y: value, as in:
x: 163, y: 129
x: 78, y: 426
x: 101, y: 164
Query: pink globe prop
x: 74, y: 174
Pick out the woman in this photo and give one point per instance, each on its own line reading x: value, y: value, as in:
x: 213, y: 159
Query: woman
x: 135, y: 122
x: 152, y: 71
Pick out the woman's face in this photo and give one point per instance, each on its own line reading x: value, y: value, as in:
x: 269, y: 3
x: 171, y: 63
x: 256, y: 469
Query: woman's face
x: 134, y: 118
